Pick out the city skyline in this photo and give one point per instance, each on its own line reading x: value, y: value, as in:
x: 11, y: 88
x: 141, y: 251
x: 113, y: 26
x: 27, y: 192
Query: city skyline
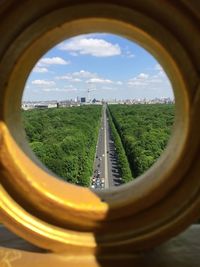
x: 109, y: 66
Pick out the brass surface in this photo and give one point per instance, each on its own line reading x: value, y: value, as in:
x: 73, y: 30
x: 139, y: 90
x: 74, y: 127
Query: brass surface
x: 66, y: 218
x: 181, y: 251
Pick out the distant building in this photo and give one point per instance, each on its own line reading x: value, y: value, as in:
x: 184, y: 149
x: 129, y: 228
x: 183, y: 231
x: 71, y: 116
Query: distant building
x: 96, y: 102
x: 27, y: 106
x: 41, y: 106
x: 64, y: 104
x: 83, y: 99
x: 68, y: 103
x: 53, y: 105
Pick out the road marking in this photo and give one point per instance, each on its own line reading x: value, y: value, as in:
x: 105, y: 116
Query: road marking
x: 105, y: 147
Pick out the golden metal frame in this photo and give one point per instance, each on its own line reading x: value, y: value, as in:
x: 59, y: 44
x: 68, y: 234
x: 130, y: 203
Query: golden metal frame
x: 65, y: 218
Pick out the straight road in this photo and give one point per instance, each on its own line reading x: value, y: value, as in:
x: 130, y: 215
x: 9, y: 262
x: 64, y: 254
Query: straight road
x: 106, y: 168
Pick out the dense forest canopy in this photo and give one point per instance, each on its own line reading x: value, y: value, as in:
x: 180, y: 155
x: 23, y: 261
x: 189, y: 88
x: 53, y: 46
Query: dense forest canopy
x: 123, y: 164
x: 144, y: 131
x: 65, y: 140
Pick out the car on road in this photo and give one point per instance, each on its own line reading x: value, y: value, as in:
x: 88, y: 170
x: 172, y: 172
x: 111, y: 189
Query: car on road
x: 98, y: 187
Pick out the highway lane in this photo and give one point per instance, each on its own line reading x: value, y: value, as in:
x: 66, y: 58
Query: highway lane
x: 106, y: 165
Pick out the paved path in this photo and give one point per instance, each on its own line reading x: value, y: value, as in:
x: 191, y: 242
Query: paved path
x: 106, y: 170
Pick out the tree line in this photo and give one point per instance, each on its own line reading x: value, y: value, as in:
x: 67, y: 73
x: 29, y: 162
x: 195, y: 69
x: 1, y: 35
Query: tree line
x: 64, y: 139
x: 123, y: 164
x: 144, y: 131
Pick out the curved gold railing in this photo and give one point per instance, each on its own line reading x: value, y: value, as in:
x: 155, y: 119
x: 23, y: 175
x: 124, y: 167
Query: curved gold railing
x: 61, y: 217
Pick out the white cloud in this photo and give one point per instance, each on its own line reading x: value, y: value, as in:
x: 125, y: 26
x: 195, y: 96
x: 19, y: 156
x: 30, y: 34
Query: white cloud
x: 99, y: 80
x: 108, y: 88
x: 88, y: 78
x: 46, y: 61
x: 68, y: 78
x: 141, y: 79
x: 76, y: 80
x: 143, y: 76
x: 38, y: 69
x: 43, y: 83
x: 60, y: 89
x: 127, y: 53
x: 149, y: 81
x: 119, y: 83
x: 131, y: 55
x: 84, y: 74
x: 77, y: 76
x: 91, y: 46
x: 64, y: 77
x: 74, y: 54
x: 160, y: 70
x: 158, y: 67
x: 70, y: 90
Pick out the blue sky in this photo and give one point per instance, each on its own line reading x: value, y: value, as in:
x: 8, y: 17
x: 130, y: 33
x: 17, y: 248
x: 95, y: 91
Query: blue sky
x: 110, y: 66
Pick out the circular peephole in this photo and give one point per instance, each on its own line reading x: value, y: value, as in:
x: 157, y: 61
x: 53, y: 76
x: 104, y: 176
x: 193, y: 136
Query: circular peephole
x: 60, y: 216
x: 98, y: 110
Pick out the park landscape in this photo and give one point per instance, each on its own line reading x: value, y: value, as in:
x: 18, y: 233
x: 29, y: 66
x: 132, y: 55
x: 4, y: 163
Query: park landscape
x: 98, y: 110
x: 66, y: 139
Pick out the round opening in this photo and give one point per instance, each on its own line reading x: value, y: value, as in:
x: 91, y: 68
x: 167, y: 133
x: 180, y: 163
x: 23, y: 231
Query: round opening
x: 151, y: 207
x: 115, y: 197
x: 98, y: 110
